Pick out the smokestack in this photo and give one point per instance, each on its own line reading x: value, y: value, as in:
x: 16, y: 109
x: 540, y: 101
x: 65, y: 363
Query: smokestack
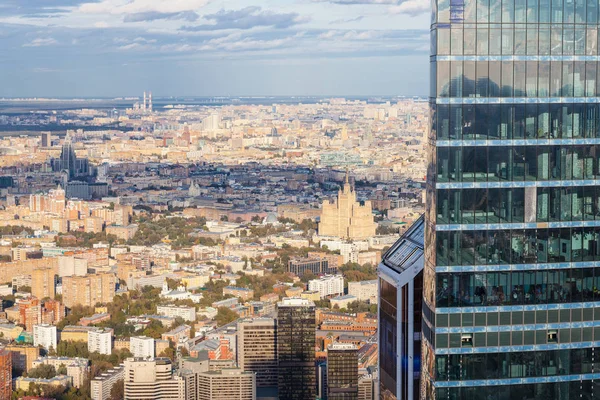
x: 144, y: 106
x: 150, y: 102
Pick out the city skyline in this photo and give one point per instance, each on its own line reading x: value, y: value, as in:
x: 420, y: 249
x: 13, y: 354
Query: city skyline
x: 114, y: 48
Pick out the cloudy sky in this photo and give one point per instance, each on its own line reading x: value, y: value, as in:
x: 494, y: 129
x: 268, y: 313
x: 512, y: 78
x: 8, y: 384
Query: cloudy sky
x: 213, y: 47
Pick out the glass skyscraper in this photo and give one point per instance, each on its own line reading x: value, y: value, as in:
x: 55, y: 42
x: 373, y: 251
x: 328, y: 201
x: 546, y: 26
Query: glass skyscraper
x: 512, y: 239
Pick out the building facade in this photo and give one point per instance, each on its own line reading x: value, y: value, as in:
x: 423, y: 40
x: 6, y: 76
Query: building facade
x: 89, y: 290
x: 342, y: 372
x: 101, y: 385
x: 329, y: 285
x: 142, y: 347
x: 5, y: 374
x: 257, y: 349
x: 231, y: 383
x: 400, y: 306
x: 43, y: 283
x: 152, y: 380
x: 100, y: 340
x: 510, y: 307
x: 296, y: 337
x: 347, y: 218
x: 44, y: 335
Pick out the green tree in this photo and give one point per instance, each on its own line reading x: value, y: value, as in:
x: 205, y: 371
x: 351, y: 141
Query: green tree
x: 225, y: 315
x: 117, y: 392
x: 43, y: 371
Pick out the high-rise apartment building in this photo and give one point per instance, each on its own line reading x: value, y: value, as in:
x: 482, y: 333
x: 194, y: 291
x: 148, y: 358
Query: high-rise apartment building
x: 100, y: 340
x: 400, y: 304
x: 152, y: 380
x: 23, y: 356
x: 142, y: 346
x: 45, y: 335
x: 5, y: 374
x: 88, y: 290
x: 510, y: 307
x: 230, y: 383
x: 43, y: 283
x: 296, y: 337
x: 342, y: 372
x: 257, y: 349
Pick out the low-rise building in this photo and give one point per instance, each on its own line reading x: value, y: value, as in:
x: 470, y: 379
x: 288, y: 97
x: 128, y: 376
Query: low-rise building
x: 364, y: 290
x: 22, y: 383
x: 187, y: 313
x: 242, y: 293
x: 328, y: 285
x: 342, y: 301
x: 77, y: 368
x: 178, y: 334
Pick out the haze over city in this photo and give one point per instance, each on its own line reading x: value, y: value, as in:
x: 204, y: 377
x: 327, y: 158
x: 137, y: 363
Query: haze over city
x: 108, y: 48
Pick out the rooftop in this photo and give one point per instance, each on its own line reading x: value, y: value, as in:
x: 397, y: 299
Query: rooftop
x: 408, y: 250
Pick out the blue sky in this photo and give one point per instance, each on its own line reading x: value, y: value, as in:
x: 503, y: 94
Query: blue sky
x: 213, y: 47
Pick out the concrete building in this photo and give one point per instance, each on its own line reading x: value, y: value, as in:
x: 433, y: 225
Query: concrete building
x: 296, y: 330
x: 178, y: 334
x: 5, y: 374
x: 364, y: 290
x: 44, y: 335
x: 227, y: 384
x: 316, y: 265
x: 22, y: 383
x: 142, y: 347
x: 187, y: 313
x: 342, y: 372
x: 23, y: 356
x: 43, y: 283
x: 152, y: 380
x: 88, y: 290
x: 100, y: 341
x: 71, y: 266
x: 76, y: 333
x: 77, y: 368
x: 101, y: 385
x: 242, y: 293
x: 257, y: 349
x: 346, y: 218
x: 329, y: 285
x: 342, y: 301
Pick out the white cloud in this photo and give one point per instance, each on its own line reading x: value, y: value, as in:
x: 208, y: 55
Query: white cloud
x: 119, y: 7
x: 101, y: 24
x: 411, y: 7
x: 39, y: 42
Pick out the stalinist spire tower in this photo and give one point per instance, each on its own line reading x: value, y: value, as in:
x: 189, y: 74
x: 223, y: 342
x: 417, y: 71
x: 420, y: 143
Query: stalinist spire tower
x: 346, y: 218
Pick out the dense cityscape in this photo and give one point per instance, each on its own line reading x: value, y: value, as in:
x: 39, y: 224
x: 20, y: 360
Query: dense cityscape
x: 308, y: 247
x: 201, y: 251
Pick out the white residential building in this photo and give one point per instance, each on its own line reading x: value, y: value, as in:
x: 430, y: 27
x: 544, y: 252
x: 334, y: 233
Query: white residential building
x: 103, y: 383
x: 44, y: 335
x: 187, y: 313
x: 142, y: 346
x: 100, y: 341
x: 364, y: 290
x: 328, y: 285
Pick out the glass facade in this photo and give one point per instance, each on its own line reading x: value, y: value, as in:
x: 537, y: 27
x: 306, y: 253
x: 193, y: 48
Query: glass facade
x: 296, y: 327
x: 512, y: 239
